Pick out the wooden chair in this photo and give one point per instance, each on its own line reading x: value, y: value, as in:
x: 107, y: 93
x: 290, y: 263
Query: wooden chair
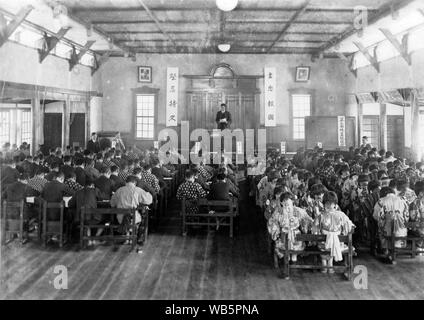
x: 411, y: 248
x: 57, y: 228
x: 112, y: 225
x: 211, y: 216
x: 347, y: 268
x: 12, y: 225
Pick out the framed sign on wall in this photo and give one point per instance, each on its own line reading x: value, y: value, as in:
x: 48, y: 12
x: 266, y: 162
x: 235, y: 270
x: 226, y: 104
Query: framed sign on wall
x: 302, y: 74
x: 145, y: 74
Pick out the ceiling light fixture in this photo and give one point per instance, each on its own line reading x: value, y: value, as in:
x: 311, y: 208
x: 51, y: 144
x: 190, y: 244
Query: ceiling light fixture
x: 226, y: 5
x: 224, y: 47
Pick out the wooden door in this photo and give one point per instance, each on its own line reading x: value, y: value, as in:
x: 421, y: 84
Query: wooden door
x: 395, y: 135
x: 52, y: 130
x: 77, y: 129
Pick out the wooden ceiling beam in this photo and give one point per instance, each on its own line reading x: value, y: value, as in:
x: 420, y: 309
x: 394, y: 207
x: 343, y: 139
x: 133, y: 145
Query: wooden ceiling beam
x: 402, y: 48
x: 288, y: 24
x: 75, y: 59
x: 50, y: 43
x: 157, y: 22
x: 100, y: 62
x: 371, y: 58
x: 382, y: 12
x: 77, y: 10
x: 326, y: 33
x: 6, y: 30
x: 251, y: 21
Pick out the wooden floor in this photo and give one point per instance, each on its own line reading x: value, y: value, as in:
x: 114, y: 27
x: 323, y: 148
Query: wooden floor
x: 200, y: 266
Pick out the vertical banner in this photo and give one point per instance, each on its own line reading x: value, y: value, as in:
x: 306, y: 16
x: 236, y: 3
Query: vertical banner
x: 171, y: 97
x: 341, y: 130
x: 270, y: 103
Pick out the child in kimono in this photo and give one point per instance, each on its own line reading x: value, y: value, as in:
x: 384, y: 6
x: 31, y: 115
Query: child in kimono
x: 358, y: 196
x: 288, y: 220
x: 332, y: 223
x: 391, y: 212
x: 405, y: 192
x: 416, y: 212
x: 267, y: 190
x: 314, y: 200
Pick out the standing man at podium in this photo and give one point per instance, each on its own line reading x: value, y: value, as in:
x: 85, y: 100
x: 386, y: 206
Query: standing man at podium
x: 223, y: 118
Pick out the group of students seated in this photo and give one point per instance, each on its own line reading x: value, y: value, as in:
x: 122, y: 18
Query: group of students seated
x: 125, y: 179
x: 366, y: 192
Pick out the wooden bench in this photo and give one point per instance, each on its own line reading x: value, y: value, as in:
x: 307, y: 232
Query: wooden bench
x: 411, y: 248
x: 207, y: 214
x: 59, y: 227
x: 11, y: 226
x: 112, y: 226
x: 347, y: 268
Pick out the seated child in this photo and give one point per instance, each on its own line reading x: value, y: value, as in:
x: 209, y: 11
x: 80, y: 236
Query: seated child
x: 391, y: 212
x: 290, y: 220
x: 332, y: 223
x: 416, y: 212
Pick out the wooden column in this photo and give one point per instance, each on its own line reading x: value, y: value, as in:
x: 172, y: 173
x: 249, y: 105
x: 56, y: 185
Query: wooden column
x: 37, y: 122
x: 415, y: 110
x: 66, y: 126
x: 383, y: 126
x: 87, y: 119
x: 360, y: 117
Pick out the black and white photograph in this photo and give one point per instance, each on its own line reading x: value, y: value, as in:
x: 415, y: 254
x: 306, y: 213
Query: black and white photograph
x: 276, y: 154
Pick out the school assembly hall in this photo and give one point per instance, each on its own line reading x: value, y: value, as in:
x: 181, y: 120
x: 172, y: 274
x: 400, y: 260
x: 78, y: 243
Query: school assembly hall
x: 212, y: 149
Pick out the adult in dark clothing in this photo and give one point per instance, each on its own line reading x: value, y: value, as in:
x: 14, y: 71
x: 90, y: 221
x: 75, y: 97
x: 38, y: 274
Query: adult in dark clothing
x: 104, y: 184
x: 66, y: 168
x: 9, y: 174
x: 115, y: 178
x: 28, y: 166
x: 18, y: 191
x: 93, y: 144
x: 80, y: 173
x: 54, y: 191
x: 223, y: 118
x: 54, y: 169
x: 220, y: 190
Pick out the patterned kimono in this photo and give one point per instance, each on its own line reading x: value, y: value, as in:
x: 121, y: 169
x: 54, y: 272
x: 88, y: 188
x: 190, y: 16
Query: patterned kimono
x: 288, y: 220
x: 266, y: 193
x: 416, y: 214
x: 273, y: 205
x: 391, y: 212
x: 408, y: 195
x: 333, y: 223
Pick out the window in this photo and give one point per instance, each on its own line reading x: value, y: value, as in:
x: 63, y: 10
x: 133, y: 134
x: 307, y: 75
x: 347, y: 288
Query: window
x: 26, y: 126
x: 4, y: 127
x: 301, y: 108
x: 370, y: 128
x: 145, y: 116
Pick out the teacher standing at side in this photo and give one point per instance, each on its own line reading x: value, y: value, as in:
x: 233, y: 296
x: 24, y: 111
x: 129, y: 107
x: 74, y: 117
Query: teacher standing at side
x: 223, y: 118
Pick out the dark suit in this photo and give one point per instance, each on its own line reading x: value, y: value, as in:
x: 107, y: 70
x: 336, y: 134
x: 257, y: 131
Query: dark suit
x: 93, y: 146
x: 16, y: 192
x: 81, y: 175
x: 8, y: 175
x: 105, y: 185
x: 67, y: 170
x: 86, y: 197
x: 223, y: 115
x: 117, y: 182
x: 54, y: 191
x: 219, y: 191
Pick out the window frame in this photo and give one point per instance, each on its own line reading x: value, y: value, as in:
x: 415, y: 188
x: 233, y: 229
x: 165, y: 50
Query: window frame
x: 9, y: 122
x: 299, y: 91
x: 145, y: 91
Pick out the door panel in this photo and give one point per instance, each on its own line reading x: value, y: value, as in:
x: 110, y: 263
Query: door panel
x: 77, y: 129
x: 371, y: 129
x: 395, y: 135
x: 52, y: 130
